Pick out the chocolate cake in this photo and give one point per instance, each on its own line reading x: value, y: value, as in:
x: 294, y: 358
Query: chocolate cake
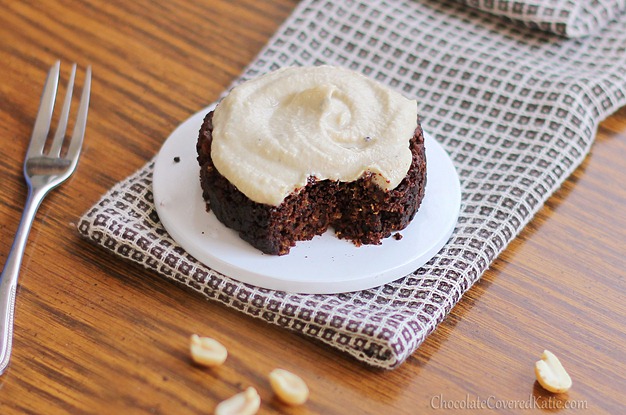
x: 360, y: 210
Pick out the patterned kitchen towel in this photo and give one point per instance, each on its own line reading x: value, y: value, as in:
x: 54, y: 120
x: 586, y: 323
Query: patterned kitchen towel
x: 570, y: 18
x: 515, y: 108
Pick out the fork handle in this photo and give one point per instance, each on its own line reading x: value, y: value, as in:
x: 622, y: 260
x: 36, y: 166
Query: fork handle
x: 10, y: 273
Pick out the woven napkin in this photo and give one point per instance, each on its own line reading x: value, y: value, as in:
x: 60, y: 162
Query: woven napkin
x: 515, y: 108
x: 570, y: 18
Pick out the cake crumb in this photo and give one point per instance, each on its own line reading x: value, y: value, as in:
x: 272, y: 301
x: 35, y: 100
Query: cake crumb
x: 176, y: 159
x: 397, y: 236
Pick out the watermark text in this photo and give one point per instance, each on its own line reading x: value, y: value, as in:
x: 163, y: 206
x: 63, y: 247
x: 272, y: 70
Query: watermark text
x: 492, y: 402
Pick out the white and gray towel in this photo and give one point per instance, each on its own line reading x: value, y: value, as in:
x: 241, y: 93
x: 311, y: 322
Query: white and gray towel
x: 514, y: 92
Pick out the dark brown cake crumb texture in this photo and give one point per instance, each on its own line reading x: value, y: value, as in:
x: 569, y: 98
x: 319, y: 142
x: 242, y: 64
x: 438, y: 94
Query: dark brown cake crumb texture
x: 359, y: 211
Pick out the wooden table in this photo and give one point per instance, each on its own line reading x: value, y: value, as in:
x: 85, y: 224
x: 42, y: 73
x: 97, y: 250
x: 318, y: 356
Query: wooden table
x: 97, y: 335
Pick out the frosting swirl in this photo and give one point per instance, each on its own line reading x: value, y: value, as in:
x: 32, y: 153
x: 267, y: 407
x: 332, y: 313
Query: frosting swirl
x: 272, y: 133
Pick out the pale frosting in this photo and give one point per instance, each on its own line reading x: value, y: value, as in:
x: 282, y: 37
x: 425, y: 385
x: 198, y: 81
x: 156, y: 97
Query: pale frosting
x: 272, y: 133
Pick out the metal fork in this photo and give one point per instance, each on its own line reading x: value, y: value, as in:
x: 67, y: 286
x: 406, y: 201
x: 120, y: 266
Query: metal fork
x: 43, y: 171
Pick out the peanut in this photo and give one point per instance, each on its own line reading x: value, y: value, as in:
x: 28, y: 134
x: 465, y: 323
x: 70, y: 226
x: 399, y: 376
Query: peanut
x: 289, y: 388
x: 243, y: 403
x: 551, y: 375
x: 206, y: 351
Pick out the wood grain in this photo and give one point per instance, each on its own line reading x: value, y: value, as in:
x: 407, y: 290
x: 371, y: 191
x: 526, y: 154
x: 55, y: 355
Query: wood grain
x: 96, y: 335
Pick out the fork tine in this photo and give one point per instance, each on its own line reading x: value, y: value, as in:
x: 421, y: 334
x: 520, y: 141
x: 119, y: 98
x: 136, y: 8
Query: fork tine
x: 81, y: 120
x: 44, y: 116
x: 59, y: 135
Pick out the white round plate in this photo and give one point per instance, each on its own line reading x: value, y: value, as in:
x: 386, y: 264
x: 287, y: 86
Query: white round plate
x: 322, y: 265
